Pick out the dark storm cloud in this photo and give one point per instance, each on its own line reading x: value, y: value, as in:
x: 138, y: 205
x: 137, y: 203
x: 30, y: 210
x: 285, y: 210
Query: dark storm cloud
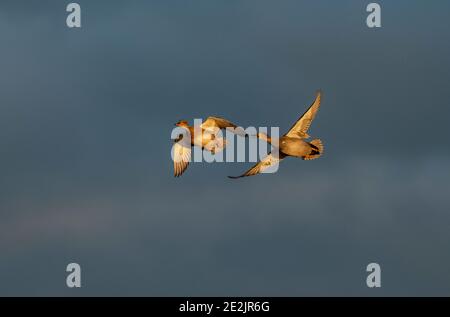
x: 85, y: 123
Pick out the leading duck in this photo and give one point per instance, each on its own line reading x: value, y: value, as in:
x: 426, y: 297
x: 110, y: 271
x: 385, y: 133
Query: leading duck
x: 292, y: 143
x: 204, y: 136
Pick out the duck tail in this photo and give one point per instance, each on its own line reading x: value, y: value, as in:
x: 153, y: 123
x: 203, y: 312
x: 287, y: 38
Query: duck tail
x: 316, y: 150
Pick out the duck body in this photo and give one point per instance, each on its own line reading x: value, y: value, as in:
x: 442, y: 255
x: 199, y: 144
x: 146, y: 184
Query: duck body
x: 294, y: 147
x: 201, y: 137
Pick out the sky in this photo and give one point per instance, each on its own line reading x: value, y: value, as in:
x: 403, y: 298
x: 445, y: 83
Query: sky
x: 86, y: 175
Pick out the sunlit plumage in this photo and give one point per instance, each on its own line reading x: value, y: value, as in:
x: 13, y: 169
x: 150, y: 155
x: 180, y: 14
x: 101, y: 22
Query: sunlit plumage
x: 292, y: 143
x: 204, y: 136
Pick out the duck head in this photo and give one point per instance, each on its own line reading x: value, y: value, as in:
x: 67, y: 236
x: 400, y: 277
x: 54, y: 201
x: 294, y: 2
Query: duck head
x: 182, y: 123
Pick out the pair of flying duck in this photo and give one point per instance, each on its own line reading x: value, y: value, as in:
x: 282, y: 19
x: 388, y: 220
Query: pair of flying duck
x: 291, y: 144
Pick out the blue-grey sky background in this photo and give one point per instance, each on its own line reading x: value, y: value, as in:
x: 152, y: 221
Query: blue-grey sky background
x: 86, y: 175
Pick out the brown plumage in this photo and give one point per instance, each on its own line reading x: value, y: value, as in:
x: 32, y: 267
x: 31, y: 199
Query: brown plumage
x: 291, y: 144
x: 203, y: 136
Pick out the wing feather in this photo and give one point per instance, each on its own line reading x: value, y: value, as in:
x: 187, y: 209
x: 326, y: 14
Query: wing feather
x: 181, y: 155
x: 270, y: 161
x: 212, y: 123
x: 300, y: 128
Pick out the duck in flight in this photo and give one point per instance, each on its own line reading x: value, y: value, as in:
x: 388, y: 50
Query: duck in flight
x: 204, y: 136
x: 291, y: 144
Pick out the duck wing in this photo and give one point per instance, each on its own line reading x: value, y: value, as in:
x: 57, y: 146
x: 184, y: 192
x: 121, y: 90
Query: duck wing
x: 181, y: 156
x: 213, y: 123
x: 299, y: 129
x: 270, y: 161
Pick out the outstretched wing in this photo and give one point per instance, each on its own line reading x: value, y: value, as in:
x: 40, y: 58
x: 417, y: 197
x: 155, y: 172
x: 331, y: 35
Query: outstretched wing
x: 181, y: 156
x: 302, y: 125
x: 270, y: 161
x: 212, y: 123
